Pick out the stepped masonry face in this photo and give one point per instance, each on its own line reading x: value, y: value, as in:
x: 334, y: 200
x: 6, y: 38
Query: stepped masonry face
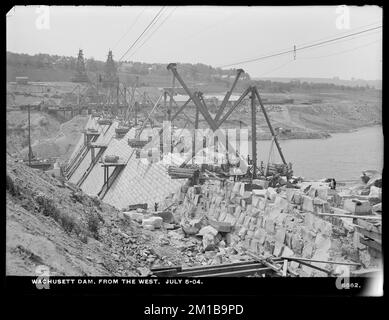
x: 132, y: 181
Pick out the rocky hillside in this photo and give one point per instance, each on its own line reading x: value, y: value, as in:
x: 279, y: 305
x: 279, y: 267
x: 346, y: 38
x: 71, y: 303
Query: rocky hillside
x: 49, y: 137
x: 50, y: 222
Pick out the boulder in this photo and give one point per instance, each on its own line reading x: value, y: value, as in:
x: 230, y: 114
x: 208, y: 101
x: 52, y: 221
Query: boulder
x: 271, y: 193
x: 375, y: 192
x: 209, y: 242
x: 167, y: 216
x: 208, y: 230
x: 307, y: 204
x: 358, y: 207
x: 133, y: 215
x: 156, y: 222
x: 377, y: 207
x: 221, y: 226
x: 148, y: 227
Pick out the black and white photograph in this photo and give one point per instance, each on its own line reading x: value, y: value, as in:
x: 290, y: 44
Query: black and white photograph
x: 194, y: 142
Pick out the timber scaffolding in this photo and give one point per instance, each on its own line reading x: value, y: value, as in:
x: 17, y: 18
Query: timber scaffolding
x: 136, y: 143
x: 259, y: 267
x: 268, y: 171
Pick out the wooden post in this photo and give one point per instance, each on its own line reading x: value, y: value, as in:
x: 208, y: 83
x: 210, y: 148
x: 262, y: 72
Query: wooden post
x: 29, y: 138
x: 285, y: 268
x: 253, y: 133
x: 194, y: 134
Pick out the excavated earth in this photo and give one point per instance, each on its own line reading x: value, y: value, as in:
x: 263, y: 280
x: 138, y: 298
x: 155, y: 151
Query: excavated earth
x: 53, y: 223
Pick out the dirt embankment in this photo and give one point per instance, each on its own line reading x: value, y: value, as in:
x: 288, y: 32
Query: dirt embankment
x: 310, y: 116
x: 54, y: 224
x: 49, y: 138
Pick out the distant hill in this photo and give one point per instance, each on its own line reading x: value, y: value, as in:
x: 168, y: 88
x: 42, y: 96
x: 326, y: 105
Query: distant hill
x: 377, y: 84
x: 45, y: 67
x: 54, y: 68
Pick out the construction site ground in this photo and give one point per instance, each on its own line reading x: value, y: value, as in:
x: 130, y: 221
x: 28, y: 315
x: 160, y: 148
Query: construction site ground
x: 52, y: 223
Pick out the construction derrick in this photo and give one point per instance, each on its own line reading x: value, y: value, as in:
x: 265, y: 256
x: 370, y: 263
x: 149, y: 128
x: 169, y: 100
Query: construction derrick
x: 110, y: 78
x: 80, y: 75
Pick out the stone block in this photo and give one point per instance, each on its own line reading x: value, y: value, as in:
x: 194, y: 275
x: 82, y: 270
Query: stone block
x: 308, y: 220
x: 307, y: 203
x: 278, y: 248
x: 167, y: 216
x: 312, y: 192
x: 238, y: 210
x: 231, y: 208
x: 322, y: 192
x: 241, y: 218
x: 287, y: 252
x: 262, y: 183
x: 236, y: 187
x: 243, y: 203
x: 308, y: 250
x: 209, y: 242
x: 269, y: 225
x: 148, y: 227
x: 247, y: 242
x: 230, y: 219
x: 325, y: 227
x: 250, y: 234
x: 260, y: 221
x: 255, y: 201
x: 269, y: 245
x: 133, y: 215
x: 154, y: 221
x: 259, y: 193
x: 297, y: 244
x: 253, y: 220
x: 262, y: 205
x: 238, y: 200
x: 319, y: 201
x: 322, y: 242
x: 308, y: 235
x: 340, y: 211
x: 255, y: 212
x: 208, y: 229
x: 222, y: 215
x: 297, y: 198
x: 221, y: 226
x: 294, y: 265
x: 281, y: 202
x: 280, y: 235
x: 271, y: 194
x: 242, y: 232
x: 358, y: 207
x: 254, y: 245
x: 246, y: 221
x: 290, y: 193
x: 260, y: 233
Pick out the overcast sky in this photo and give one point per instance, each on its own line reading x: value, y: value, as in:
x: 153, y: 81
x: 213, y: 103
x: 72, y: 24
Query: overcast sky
x: 216, y: 36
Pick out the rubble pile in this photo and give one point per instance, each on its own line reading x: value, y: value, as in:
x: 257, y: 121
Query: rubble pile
x: 310, y: 221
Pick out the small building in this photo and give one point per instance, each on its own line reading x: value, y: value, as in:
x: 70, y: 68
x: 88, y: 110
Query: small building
x: 21, y: 80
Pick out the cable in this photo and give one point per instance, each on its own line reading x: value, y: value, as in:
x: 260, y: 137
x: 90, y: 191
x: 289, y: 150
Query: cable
x: 148, y: 26
x: 277, y: 68
x: 341, y: 52
x: 301, y: 48
x: 132, y: 25
x: 156, y: 29
x: 213, y: 25
x: 348, y: 39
